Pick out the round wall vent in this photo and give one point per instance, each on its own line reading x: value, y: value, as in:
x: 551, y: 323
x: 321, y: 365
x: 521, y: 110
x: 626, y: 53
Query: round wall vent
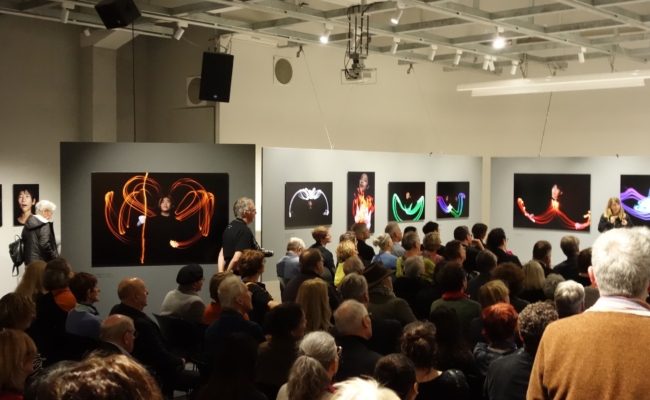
x: 283, y: 70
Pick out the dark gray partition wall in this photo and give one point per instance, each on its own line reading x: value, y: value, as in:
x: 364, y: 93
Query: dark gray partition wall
x: 79, y: 160
x: 280, y: 165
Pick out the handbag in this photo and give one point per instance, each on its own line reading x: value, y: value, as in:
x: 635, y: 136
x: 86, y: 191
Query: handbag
x: 17, y: 254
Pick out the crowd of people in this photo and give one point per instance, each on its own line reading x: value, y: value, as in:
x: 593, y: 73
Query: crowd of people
x: 409, y: 318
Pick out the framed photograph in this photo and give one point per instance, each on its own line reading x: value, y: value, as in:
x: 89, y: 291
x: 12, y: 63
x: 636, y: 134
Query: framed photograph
x: 635, y: 190
x: 307, y: 204
x: 552, y: 201
x: 406, y: 201
x: 361, y: 199
x: 452, y: 200
x: 145, y: 218
x: 25, y: 199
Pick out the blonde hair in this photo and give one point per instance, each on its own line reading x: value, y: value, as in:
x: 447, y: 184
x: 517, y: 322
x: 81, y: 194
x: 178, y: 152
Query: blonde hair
x: 314, y: 301
x: 608, y: 210
x: 383, y: 241
x: 345, y: 250
x: 493, y: 292
x: 533, y: 275
x: 16, y: 349
x: 31, y: 284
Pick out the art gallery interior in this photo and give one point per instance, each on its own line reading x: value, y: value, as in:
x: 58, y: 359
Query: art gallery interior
x: 129, y: 97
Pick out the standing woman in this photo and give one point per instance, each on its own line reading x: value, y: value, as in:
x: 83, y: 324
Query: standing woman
x: 614, y: 216
x: 38, y: 234
x: 251, y: 268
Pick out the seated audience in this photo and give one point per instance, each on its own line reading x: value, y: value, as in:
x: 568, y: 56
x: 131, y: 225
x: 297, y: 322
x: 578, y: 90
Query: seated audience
x: 56, y: 280
x: 251, y: 268
x: 418, y: 343
x: 486, y: 261
x: 311, y: 375
x: 383, y: 302
x: 31, y: 283
x: 412, y: 287
x: 362, y: 233
x: 344, y: 251
x: 591, y: 291
x: 213, y: 310
x: 285, y: 325
x: 479, y: 231
x: 149, y: 347
x: 397, y: 373
x: 311, y: 266
x: 431, y: 246
x: 411, y: 243
x: 358, y: 388
x: 314, y: 301
x: 533, y: 284
x: 513, y: 276
x: 385, y: 255
x: 489, y: 294
x: 455, y: 252
x: 569, y: 298
x: 98, y: 378
x: 354, y: 328
x: 453, y: 283
x: 84, y: 319
x: 184, y: 302
x: 497, y: 243
x: 16, y: 311
x: 386, y: 332
x: 508, y: 376
x: 472, y: 247
x: 542, y: 251
x: 17, y: 352
x: 568, y: 268
x: 393, y: 230
x: 289, y: 267
x: 353, y: 264
x: 550, y: 284
x: 321, y: 235
x: 117, y: 334
x: 499, y: 328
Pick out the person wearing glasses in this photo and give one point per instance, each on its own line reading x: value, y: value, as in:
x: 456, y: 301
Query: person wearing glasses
x: 238, y: 237
x: 117, y: 334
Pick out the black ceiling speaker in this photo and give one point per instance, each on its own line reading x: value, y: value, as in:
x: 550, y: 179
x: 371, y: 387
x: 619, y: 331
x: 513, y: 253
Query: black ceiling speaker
x: 117, y: 13
x: 216, y: 75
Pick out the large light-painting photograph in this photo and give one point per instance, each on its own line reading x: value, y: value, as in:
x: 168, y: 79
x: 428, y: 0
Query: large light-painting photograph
x: 361, y: 199
x: 406, y: 201
x: 552, y: 201
x: 452, y: 200
x: 635, y: 198
x: 307, y: 204
x: 144, y: 218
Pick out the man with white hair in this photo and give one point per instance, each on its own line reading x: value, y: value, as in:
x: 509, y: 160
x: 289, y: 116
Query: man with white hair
x: 599, y: 354
x: 237, y: 237
x: 38, y: 234
x: 569, y: 298
x: 289, y: 267
x: 354, y: 328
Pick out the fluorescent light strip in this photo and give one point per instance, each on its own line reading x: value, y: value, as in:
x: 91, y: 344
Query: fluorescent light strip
x: 558, y: 84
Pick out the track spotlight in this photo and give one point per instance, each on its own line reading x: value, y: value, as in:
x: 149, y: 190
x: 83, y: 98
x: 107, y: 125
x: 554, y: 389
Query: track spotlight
x: 491, y: 63
x: 65, y: 11
x: 581, y: 55
x: 499, y: 42
x: 432, y: 54
x: 398, y: 14
x: 325, y: 37
x: 459, y: 53
x: 514, y: 67
x: 393, y: 48
x: 180, y: 30
x: 86, y: 32
x: 486, y: 62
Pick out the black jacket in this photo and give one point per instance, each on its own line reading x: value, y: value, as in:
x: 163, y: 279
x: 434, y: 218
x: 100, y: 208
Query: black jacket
x: 38, y: 240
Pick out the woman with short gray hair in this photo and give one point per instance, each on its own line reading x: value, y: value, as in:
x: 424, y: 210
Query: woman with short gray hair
x: 38, y: 234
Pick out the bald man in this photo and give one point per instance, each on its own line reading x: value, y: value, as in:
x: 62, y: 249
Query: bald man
x: 149, y: 346
x: 117, y: 333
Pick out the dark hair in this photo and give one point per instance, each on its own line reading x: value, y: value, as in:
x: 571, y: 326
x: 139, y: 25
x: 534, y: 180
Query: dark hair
x: 541, y: 249
x: 56, y: 274
x: 80, y: 284
x: 452, y: 249
x: 16, y: 311
x: 533, y: 320
x: 512, y: 275
x: 418, y: 343
x: 584, y: 260
x: 479, y: 230
x: 396, y: 372
x: 430, y: 227
x: 461, y: 232
x: 167, y: 196
x: 499, y: 322
x: 452, y: 277
x: 215, y: 281
x: 570, y: 245
x: 319, y: 233
x: 309, y: 260
x: 410, y: 228
x: 485, y: 261
x: 96, y: 377
x: 250, y: 263
x: 283, y: 319
x: 495, y: 238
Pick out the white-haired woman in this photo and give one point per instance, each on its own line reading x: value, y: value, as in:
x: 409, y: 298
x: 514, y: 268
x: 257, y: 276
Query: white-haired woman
x: 310, y: 377
x: 38, y: 234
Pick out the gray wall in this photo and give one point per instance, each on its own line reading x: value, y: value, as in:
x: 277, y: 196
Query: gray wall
x: 79, y: 160
x: 299, y: 165
x: 605, y: 183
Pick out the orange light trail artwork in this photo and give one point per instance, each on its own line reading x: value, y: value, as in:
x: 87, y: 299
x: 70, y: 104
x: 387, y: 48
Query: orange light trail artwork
x: 553, y: 211
x: 141, y: 190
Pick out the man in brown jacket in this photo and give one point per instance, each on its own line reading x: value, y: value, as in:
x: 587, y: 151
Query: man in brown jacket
x: 601, y: 353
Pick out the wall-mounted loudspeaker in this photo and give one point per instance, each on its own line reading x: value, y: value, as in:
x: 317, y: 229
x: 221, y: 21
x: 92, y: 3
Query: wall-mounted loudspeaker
x: 117, y: 13
x: 216, y: 76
